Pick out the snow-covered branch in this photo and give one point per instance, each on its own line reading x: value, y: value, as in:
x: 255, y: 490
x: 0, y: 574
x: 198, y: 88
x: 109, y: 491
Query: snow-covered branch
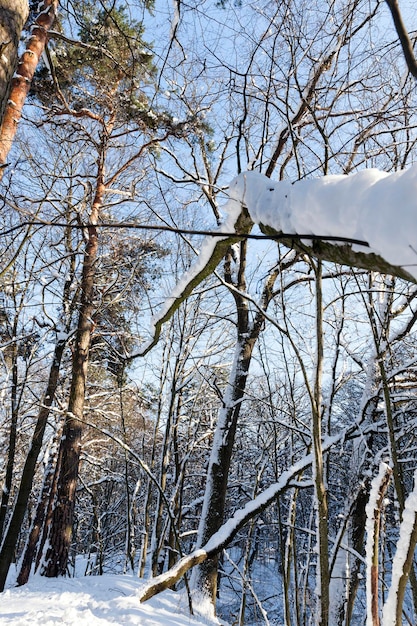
x: 370, y: 206
x: 231, y: 527
x: 403, y: 561
x: 325, y: 217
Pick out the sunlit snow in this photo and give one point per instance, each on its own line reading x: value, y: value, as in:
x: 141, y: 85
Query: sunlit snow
x: 372, y: 206
x: 93, y: 601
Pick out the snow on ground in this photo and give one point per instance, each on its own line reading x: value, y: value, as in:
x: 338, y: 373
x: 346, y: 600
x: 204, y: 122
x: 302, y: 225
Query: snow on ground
x: 93, y: 601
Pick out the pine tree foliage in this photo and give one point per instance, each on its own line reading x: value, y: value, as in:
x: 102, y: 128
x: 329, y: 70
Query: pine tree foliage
x: 107, y: 68
x: 108, y: 55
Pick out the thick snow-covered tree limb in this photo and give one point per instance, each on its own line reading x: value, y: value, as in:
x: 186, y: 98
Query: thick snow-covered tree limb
x: 343, y: 254
x: 370, y: 206
x: 364, y: 220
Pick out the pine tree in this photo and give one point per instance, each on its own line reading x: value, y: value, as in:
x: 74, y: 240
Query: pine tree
x: 13, y: 15
x: 18, y: 83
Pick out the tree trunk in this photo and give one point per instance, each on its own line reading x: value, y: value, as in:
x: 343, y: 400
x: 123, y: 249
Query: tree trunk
x: 31, y: 547
x: 22, y: 78
x: 10, y: 540
x: 11, y: 452
x: 13, y: 15
x: 59, y: 532
x: 373, y: 513
x: 157, y: 559
x: 205, y: 575
x: 318, y: 466
x: 357, y: 535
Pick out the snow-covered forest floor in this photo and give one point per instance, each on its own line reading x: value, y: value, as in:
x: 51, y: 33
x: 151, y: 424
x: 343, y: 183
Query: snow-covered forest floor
x: 94, y: 601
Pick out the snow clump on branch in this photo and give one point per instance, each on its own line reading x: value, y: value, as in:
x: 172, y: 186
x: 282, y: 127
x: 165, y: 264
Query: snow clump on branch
x: 372, y: 206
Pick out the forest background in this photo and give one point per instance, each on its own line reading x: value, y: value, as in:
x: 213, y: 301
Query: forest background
x: 281, y: 368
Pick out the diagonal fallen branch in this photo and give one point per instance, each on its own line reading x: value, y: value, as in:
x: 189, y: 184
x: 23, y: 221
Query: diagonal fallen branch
x: 229, y: 529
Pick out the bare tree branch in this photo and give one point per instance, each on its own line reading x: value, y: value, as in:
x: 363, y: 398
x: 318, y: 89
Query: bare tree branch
x: 406, y: 43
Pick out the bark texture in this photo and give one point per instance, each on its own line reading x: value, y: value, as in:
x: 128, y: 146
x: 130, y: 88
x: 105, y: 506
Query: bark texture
x: 205, y: 576
x: 58, y: 527
x: 31, y: 548
x: 13, y: 15
x: 60, y: 531
x: 22, y: 78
